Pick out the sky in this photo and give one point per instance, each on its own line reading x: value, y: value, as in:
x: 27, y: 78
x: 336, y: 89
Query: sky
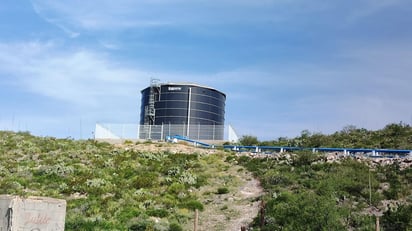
x: 285, y: 65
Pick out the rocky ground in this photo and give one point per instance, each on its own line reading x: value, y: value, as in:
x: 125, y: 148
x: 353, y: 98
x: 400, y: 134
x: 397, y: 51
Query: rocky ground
x: 167, y: 147
x: 233, y: 210
x: 332, y: 157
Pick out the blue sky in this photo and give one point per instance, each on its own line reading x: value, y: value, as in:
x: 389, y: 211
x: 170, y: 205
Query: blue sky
x: 285, y: 65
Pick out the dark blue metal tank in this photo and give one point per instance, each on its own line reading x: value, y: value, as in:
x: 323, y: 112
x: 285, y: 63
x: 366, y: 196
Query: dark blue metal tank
x: 187, y: 105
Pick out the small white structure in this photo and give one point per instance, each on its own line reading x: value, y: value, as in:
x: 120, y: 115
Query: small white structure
x: 102, y: 132
x: 31, y: 214
x: 232, y: 135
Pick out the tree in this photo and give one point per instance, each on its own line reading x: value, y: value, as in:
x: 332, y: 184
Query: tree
x: 249, y: 140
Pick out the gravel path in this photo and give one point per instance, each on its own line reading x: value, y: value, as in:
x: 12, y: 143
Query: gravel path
x: 249, y: 207
x: 229, y: 212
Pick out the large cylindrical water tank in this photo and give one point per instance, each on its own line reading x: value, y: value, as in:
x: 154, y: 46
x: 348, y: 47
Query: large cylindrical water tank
x: 194, y: 111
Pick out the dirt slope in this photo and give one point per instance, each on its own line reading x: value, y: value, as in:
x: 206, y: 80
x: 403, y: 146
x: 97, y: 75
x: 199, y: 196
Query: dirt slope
x: 233, y: 210
x: 222, y: 212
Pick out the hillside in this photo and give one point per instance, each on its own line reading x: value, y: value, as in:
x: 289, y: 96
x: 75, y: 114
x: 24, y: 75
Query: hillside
x: 150, y: 186
x: 157, y: 186
x: 306, y: 191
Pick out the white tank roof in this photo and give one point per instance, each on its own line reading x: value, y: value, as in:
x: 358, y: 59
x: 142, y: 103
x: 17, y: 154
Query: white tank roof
x: 192, y: 84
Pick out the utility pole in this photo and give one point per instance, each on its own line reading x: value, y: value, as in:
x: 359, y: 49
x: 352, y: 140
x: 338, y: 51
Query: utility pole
x: 370, y: 188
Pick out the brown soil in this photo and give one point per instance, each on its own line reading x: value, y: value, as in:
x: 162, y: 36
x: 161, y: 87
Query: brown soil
x: 233, y: 210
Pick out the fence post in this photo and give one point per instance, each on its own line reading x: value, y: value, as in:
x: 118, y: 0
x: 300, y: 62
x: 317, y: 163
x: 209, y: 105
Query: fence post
x: 169, y: 129
x: 161, y: 132
x: 377, y: 225
x: 262, y: 214
x: 198, y: 131
x: 214, y: 131
x: 196, y: 220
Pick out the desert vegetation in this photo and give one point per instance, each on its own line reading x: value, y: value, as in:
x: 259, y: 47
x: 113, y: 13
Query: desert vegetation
x: 112, y: 188
x: 394, y: 136
x: 130, y: 187
x: 306, y: 193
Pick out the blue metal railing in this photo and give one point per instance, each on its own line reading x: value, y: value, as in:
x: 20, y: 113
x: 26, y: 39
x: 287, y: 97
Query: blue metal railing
x: 258, y: 149
x: 184, y: 138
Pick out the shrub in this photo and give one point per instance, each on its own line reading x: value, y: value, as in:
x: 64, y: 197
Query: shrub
x: 230, y: 158
x: 249, y: 140
x: 128, y: 142
x: 141, y: 223
x: 157, y: 213
x: 176, y: 188
x: 146, y: 180
x: 222, y: 190
x: 175, y: 227
x: 188, y: 178
x: 128, y: 213
x: 193, y: 205
x: 304, y: 158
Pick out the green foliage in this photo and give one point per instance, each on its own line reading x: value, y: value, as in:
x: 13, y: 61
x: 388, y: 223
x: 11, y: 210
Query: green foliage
x: 193, y: 205
x: 309, y: 195
x: 176, y: 188
x: 175, y: 227
x: 128, y: 142
x: 395, y: 136
x: 304, y: 158
x: 145, y: 179
x: 106, y: 188
x: 222, y: 190
x: 249, y: 140
x: 157, y: 213
x: 109, y: 188
x: 302, y: 211
x: 141, y: 224
x: 188, y: 178
x: 398, y: 219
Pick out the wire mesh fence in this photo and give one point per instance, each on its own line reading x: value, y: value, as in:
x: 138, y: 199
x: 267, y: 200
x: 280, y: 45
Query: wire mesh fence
x: 160, y: 132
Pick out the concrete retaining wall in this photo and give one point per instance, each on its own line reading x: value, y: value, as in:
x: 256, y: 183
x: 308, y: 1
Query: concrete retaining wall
x: 31, y: 214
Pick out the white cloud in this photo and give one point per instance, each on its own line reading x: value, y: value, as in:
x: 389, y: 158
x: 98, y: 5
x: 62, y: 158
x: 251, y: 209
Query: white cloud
x: 81, y: 77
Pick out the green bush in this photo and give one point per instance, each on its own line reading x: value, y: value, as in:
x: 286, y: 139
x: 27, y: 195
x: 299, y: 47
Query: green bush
x: 193, y: 205
x: 223, y: 190
x: 128, y: 213
x: 176, y: 188
x: 128, y: 142
x: 249, y: 140
x: 157, y: 213
x: 324, y: 196
x: 106, y: 187
x: 175, y: 227
x: 304, y: 158
x: 145, y: 180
